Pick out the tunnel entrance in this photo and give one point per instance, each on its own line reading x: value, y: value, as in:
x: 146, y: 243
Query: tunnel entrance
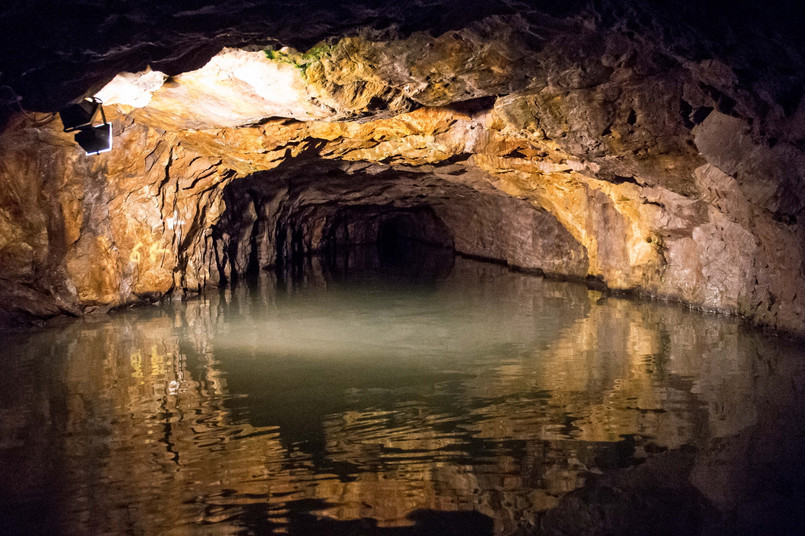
x: 411, y: 242
x: 394, y: 242
x: 290, y: 226
x: 398, y: 238
x: 309, y: 213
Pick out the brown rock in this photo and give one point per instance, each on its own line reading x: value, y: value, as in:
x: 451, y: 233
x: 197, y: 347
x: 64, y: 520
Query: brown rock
x: 592, y: 154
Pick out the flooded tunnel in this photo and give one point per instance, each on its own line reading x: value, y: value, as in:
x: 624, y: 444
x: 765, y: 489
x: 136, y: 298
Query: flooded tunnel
x: 303, y: 292
x: 380, y: 220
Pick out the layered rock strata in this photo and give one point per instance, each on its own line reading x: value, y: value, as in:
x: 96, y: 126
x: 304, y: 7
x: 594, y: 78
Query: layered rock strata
x: 579, y: 147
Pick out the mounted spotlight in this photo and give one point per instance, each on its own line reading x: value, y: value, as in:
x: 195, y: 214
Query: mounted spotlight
x: 96, y: 139
x: 80, y: 117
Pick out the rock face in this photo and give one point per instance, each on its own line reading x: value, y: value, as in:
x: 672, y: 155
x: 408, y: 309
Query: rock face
x: 599, y: 143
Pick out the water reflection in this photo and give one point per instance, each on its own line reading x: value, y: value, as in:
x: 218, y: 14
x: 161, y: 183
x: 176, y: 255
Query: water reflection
x: 479, y: 401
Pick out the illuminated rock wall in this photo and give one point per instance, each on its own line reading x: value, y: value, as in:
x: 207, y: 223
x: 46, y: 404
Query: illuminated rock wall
x: 601, y: 148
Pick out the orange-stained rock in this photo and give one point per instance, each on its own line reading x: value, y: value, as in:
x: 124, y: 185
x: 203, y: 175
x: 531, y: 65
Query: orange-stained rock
x: 572, y: 159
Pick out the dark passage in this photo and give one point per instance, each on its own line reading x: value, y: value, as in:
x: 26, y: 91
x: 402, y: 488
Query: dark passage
x: 411, y: 244
x: 395, y: 241
x: 286, y: 220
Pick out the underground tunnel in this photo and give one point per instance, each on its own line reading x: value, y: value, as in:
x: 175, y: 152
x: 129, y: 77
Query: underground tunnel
x: 402, y: 268
x: 379, y: 218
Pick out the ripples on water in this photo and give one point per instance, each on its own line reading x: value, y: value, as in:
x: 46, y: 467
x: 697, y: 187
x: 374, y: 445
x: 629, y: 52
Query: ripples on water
x: 476, y: 401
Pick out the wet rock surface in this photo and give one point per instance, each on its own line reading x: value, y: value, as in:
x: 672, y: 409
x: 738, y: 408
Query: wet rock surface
x: 601, y: 140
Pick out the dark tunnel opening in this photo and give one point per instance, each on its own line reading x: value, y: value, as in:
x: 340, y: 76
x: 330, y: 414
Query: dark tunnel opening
x: 411, y: 243
x: 394, y: 240
x: 327, y: 216
x: 271, y: 227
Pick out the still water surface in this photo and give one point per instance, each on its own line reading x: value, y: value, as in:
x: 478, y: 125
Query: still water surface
x: 468, y: 400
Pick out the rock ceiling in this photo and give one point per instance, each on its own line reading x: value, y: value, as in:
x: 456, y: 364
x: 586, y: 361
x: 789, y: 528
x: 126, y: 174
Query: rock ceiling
x: 599, y: 141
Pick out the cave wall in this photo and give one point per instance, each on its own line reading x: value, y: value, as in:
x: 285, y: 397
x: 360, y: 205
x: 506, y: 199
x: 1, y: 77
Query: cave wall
x: 86, y: 234
x: 593, y: 145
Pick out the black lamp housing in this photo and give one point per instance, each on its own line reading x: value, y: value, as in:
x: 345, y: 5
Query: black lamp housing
x: 80, y: 117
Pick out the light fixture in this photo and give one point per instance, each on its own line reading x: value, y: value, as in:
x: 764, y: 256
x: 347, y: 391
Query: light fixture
x: 80, y: 117
x: 97, y: 139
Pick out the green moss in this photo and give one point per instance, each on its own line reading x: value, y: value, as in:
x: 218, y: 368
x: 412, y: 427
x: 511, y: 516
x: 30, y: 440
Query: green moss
x: 300, y: 60
x: 274, y: 55
x: 317, y: 52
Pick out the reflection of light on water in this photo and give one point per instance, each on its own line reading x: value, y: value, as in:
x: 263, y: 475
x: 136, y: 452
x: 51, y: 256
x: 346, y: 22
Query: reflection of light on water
x: 338, y: 324
x: 491, y: 392
x: 173, y: 387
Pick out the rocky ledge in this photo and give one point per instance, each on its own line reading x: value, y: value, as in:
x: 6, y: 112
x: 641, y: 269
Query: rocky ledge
x: 606, y: 144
